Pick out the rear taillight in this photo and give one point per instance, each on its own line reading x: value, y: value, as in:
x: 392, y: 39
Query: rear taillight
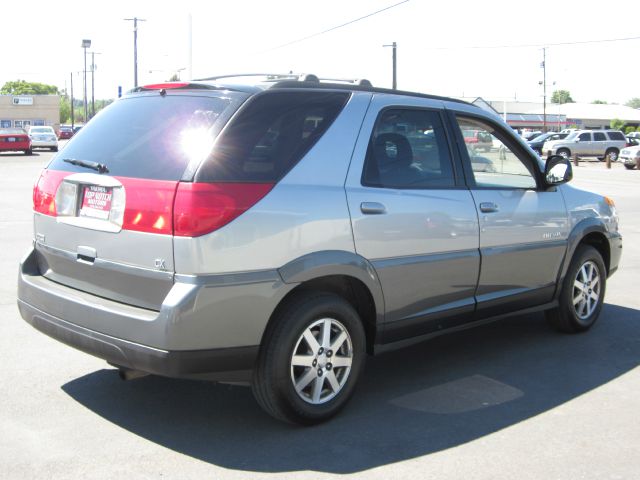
x: 201, y: 208
x: 148, y: 205
x: 44, y: 191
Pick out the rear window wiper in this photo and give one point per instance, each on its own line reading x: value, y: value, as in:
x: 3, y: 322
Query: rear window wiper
x: 99, y: 167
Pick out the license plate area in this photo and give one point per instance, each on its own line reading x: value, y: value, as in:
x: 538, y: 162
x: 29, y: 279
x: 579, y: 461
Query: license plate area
x: 96, y: 202
x: 91, y: 201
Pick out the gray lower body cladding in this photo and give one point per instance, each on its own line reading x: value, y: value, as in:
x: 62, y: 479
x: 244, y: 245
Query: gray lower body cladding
x: 222, y: 364
x: 207, y: 327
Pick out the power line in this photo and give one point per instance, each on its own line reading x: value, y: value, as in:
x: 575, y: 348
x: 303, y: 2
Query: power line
x: 534, y: 45
x: 335, y: 28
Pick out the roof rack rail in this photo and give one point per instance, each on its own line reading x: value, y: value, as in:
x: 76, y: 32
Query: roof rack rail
x: 270, y: 76
x: 302, y: 77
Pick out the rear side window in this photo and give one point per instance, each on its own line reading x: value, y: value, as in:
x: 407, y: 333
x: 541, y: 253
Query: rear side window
x: 150, y: 136
x: 599, y: 137
x: 270, y: 135
x: 616, y: 136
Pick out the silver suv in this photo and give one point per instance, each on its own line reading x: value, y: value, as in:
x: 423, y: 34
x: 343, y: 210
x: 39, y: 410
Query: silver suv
x: 588, y: 143
x: 276, y: 232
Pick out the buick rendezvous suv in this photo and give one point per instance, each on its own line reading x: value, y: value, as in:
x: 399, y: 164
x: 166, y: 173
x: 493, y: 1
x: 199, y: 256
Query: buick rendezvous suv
x: 276, y: 230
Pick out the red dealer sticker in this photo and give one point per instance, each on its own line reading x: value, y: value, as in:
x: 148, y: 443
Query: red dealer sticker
x: 96, y: 202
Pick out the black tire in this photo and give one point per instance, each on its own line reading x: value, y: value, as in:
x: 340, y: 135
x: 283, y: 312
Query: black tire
x: 578, y: 309
x: 276, y: 369
x: 629, y: 167
x: 612, y: 153
x: 565, y: 152
x: 28, y: 152
x: 54, y: 149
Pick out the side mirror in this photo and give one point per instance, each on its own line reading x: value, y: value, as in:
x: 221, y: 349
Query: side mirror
x: 577, y: 140
x: 557, y: 170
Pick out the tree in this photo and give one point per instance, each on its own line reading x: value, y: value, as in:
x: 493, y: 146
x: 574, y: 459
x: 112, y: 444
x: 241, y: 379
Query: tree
x: 616, y: 124
x: 22, y: 87
x: 633, y: 103
x: 561, y: 96
x: 599, y: 102
x: 65, y: 110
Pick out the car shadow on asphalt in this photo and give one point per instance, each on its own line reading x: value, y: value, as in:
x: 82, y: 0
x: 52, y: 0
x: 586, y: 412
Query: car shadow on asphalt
x: 410, y: 403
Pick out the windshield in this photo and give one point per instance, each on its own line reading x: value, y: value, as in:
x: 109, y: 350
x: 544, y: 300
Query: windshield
x: 149, y: 136
x: 41, y: 130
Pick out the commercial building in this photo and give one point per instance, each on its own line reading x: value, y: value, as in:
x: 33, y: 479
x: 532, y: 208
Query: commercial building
x: 531, y: 115
x: 26, y: 110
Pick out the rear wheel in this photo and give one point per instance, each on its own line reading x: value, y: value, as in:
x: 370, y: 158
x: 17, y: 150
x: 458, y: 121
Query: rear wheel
x: 629, y: 166
x: 54, y: 149
x: 28, y: 152
x: 582, y: 292
x: 612, y: 153
x: 310, y: 360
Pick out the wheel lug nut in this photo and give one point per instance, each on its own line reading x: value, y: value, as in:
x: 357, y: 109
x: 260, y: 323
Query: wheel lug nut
x: 321, y: 351
x: 329, y: 353
x: 320, y: 372
x: 329, y: 366
x: 315, y: 362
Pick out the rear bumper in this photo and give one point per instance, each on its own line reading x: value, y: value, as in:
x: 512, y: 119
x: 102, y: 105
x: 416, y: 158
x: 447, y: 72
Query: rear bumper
x: 207, y: 327
x: 223, y: 364
x: 44, y: 143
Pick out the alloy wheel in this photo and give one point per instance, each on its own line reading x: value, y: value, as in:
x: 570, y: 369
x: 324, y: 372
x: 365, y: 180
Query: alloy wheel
x: 321, y: 361
x: 586, y: 290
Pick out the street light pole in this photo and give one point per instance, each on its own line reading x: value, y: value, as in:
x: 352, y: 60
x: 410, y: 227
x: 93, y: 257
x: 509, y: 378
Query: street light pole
x: 93, y: 83
x: 544, y: 89
x: 394, y: 60
x: 85, y: 44
x: 72, y: 119
x: 135, y: 21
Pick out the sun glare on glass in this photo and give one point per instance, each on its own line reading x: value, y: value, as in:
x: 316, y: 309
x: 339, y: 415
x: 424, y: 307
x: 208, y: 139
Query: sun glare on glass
x: 195, y: 143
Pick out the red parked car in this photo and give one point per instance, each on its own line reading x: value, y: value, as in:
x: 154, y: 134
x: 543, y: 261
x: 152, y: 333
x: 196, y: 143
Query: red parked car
x: 14, y: 140
x: 476, y: 140
x: 65, y: 133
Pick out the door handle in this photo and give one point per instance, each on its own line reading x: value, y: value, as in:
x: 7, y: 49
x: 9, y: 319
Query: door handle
x: 372, y: 208
x: 488, y: 207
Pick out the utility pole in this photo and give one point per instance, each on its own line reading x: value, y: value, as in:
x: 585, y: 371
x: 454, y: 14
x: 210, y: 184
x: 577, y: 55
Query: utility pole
x: 544, y: 89
x: 135, y: 21
x: 394, y: 83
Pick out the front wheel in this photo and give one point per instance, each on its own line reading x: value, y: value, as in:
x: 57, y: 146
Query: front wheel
x: 565, y: 153
x: 582, y: 292
x: 310, y: 360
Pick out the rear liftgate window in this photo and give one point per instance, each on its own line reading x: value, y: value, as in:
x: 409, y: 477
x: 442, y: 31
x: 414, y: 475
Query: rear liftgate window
x: 151, y: 137
x: 270, y: 135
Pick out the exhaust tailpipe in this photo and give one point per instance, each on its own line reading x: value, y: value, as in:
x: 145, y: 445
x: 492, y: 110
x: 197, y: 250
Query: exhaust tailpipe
x: 129, y: 374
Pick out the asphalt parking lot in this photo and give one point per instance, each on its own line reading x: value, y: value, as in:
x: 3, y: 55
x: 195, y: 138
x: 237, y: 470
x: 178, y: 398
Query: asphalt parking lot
x: 508, y: 400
